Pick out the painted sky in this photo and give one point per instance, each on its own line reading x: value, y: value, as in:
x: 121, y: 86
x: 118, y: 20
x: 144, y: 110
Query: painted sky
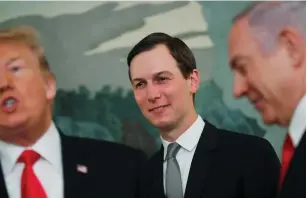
x: 170, y: 22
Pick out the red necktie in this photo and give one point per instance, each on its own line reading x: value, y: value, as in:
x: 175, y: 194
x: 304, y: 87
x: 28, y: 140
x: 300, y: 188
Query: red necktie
x: 30, y: 185
x: 287, y: 153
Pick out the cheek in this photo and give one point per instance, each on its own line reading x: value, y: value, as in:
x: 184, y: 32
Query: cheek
x: 140, y: 98
x: 256, y: 86
x: 32, y: 89
x: 256, y: 73
x: 267, y: 74
x: 175, y: 93
x: 279, y: 60
x: 263, y: 85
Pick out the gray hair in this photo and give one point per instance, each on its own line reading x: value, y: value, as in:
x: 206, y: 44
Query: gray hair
x: 267, y: 19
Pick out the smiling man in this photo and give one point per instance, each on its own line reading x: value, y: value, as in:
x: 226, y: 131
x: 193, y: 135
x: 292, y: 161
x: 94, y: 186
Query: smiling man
x: 196, y: 158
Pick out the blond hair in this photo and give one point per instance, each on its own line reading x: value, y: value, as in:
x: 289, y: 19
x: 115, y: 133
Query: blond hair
x: 29, y: 37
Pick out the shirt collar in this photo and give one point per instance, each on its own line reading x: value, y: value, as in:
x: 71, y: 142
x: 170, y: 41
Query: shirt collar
x: 48, y: 146
x: 189, y: 139
x: 298, y: 122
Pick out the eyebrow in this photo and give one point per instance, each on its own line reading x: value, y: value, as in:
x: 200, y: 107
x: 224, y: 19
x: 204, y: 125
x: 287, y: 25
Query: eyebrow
x: 162, y: 72
x: 11, y: 60
x: 137, y: 80
x: 235, y: 60
x: 154, y: 75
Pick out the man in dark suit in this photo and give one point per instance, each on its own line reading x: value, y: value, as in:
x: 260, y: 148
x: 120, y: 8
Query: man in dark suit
x: 267, y: 52
x: 196, y: 159
x: 37, y: 160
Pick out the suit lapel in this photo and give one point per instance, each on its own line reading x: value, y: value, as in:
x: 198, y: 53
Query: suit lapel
x: 202, y: 162
x: 3, y: 190
x: 72, y: 177
x: 156, y: 189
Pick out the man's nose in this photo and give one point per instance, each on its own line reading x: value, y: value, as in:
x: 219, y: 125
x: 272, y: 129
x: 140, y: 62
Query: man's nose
x: 5, y: 82
x: 239, y: 86
x: 153, y: 93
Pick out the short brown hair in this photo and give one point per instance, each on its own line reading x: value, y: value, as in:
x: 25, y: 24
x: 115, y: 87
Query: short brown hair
x: 177, y: 48
x: 28, y: 36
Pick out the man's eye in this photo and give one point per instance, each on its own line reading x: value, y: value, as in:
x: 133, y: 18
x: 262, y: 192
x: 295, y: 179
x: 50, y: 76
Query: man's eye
x: 15, y: 68
x: 162, y: 79
x: 241, y: 69
x: 140, y: 84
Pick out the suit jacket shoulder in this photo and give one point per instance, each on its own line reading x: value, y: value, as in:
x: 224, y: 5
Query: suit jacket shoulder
x: 225, y: 164
x: 294, y: 184
x: 92, y: 148
x: 112, y: 169
x: 251, y: 160
x: 243, y: 145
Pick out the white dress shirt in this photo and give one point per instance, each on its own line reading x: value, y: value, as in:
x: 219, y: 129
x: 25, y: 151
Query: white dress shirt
x: 48, y: 168
x: 188, y: 142
x: 298, y: 122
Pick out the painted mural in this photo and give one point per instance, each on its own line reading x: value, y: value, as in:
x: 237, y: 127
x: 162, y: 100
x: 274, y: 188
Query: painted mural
x: 87, y: 43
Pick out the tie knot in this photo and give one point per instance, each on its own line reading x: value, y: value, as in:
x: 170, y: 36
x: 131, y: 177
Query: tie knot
x: 172, y: 150
x: 29, y: 157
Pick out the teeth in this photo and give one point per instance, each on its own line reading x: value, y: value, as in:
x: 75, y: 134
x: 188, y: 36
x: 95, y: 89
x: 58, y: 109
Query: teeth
x: 157, y: 109
x: 9, y: 102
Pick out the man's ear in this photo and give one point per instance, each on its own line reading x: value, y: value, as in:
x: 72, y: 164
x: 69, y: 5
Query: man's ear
x: 50, y: 85
x: 294, y: 44
x: 194, y: 81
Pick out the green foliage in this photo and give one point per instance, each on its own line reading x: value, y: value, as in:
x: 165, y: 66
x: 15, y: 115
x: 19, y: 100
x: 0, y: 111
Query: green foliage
x: 106, y: 107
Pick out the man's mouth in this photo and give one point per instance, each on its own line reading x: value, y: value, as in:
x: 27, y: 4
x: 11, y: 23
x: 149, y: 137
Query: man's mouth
x: 158, y: 109
x: 257, y: 103
x: 9, y: 104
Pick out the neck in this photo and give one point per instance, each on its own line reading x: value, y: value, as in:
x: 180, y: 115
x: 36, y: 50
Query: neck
x: 173, y: 133
x: 294, y: 107
x: 299, y: 92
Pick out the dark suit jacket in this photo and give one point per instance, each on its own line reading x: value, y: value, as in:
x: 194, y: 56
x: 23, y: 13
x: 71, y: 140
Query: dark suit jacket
x: 294, y: 185
x: 225, y: 165
x: 113, y: 169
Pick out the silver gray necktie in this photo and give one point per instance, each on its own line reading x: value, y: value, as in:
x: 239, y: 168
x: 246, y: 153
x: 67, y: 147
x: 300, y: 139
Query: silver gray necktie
x: 173, y: 182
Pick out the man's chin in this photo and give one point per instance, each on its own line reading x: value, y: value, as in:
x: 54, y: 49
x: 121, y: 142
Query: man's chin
x: 162, y: 124
x: 269, y: 120
x: 12, y: 126
x: 13, y: 123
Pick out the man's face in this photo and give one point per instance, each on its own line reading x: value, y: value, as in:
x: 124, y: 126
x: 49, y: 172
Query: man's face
x: 265, y: 79
x: 25, y: 92
x: 164, y: 96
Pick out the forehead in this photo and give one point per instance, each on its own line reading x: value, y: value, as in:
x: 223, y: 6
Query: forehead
x: 154, y: 61
x: 241, y: 40
x: 14, y: 49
